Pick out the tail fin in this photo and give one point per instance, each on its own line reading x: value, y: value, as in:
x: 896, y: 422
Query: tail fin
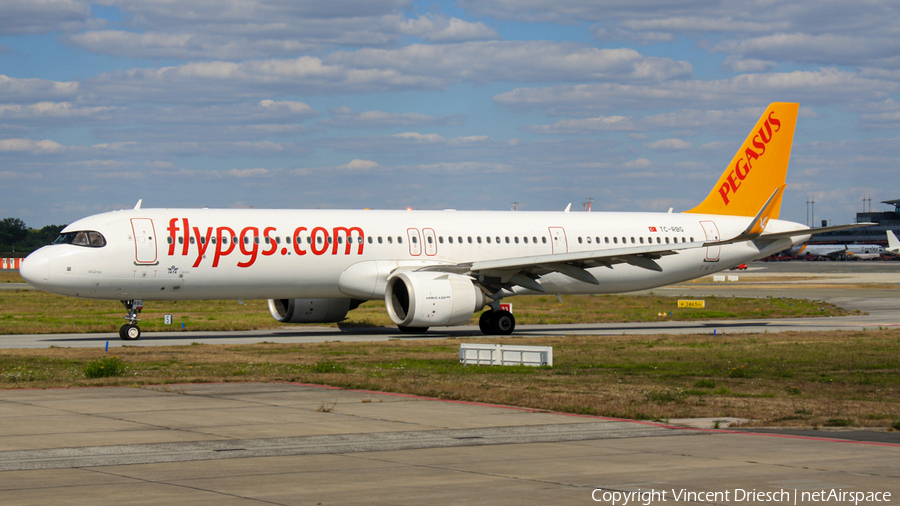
x: 758, y: 168
x: 893, y: 243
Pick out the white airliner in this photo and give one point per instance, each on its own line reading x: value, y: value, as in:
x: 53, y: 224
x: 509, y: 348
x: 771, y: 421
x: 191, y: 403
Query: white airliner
x: 432, y: 268
x: 839, y: 251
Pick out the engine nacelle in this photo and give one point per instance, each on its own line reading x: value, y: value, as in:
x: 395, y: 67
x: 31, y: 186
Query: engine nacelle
x: 311, y: 310
x: 427, y: 299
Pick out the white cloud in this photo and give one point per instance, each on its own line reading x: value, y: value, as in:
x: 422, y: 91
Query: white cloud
x: 361, y: 165
x: 442, y: 29
x: 28, y: 17
x: 29, y: 145
x: 670, y: 145
x: 737, y: 64
x: 574, y: 126
x: 344, y: 117
x: 821, y: 86
x: 18, y: 90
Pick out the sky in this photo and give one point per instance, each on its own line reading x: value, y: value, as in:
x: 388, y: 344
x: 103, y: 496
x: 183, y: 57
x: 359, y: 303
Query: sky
x: 475, y: 104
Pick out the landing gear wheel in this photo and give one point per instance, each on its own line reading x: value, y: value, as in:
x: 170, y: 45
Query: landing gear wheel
x: 129, y: 332
x: 484, y: 323
x: 413, y: 330
x: 503, y: 323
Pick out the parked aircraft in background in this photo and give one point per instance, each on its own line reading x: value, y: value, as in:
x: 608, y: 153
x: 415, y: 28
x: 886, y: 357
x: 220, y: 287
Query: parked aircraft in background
x: 432, y: 268
x: 839, y: 251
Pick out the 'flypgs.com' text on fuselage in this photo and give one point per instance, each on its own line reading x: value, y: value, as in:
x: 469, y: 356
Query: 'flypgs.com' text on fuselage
x: 432, y: 268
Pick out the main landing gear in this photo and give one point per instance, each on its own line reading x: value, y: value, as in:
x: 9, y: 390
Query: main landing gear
x: 131, y: 331
x: 497, y: 323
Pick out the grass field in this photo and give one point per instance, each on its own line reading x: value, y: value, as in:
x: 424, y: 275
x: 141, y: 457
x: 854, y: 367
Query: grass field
x: 807, y: 379
x: 793, y: 379
x: 36, y: 312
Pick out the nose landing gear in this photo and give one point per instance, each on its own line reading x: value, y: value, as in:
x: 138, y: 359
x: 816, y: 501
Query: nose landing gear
x: 131, y: 331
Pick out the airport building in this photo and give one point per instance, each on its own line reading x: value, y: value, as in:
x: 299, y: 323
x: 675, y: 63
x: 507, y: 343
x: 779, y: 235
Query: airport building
x: 877, y: 234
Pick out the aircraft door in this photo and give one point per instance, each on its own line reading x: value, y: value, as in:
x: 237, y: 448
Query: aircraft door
x: 430, y: 242
x: 415, y: 242
x: 558, y: 240
x: 144, y: 241
x: 712, y: 234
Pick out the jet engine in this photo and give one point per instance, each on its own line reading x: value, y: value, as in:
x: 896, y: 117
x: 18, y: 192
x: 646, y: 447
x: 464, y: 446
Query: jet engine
x: 311, y: 310
x: 421, y: 299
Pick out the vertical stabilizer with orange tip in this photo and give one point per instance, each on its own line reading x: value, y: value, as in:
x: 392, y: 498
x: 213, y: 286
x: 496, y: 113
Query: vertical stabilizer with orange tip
x: 758, y: 168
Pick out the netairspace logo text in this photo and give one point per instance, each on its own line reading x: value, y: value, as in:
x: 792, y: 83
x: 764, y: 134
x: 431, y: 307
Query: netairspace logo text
x: 781, y: 496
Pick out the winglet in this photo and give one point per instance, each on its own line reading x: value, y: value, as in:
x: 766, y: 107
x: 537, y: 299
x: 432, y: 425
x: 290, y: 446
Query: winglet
x: 138, y: 205
x: 758, y: 225
x: 758, y: 168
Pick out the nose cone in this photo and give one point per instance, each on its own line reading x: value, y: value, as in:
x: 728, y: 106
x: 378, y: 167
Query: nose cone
x: 35, y: 269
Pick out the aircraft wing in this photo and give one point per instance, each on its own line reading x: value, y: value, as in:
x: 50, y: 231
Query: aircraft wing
x: 525, y: 271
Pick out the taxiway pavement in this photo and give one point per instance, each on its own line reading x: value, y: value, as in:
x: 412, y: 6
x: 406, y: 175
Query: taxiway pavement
x: 287, y: 444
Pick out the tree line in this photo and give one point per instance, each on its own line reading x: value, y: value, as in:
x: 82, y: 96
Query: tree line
x: 16, y: 239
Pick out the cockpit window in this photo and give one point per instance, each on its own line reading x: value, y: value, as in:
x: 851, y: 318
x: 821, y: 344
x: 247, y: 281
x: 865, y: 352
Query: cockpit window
x: 86, y: 238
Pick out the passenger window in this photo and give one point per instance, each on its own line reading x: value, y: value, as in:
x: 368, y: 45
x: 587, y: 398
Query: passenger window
x: 667, y: 240
x: 470, y: 239
x: 431, y: 240
x: 579, y: 240
x: 192, y: 240
x: 516, y: 239
x: 256, y: 239
x: 399, y: 240
x: 450, y: 239
x: 181, y: 240
x: 488, y: 239
x: 534, y: 240
x: 615, y: 240
x: 340, y: 240
x: 478, y: 239
x: 544, y: 240
x: 588, y: 240
x: 390, y: 240
x: 632, y: 240
x: 460, y: 239
x: 379, y: 240
x: 278, y: 240
x: 507, y: 239
x: 415, y: 240
x: 319, y: 239
x: 642, y: 240
x: 525, y: 239
x: 169, y: 239
x: 658, y: 240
